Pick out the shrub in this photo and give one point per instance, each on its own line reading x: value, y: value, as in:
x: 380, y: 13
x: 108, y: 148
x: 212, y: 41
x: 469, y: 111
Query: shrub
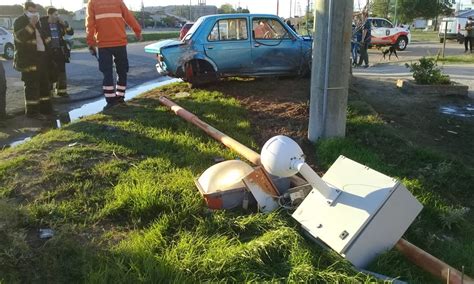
x: 426, y: 72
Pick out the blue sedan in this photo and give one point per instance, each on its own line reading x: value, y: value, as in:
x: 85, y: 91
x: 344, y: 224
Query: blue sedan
x: 219, y: 46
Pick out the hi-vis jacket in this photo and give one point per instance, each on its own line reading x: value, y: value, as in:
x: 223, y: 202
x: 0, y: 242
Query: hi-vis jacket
x: 105, y: 23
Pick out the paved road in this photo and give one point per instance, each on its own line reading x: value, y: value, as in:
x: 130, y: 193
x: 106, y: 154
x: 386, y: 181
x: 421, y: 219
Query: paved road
x: 84, y: 77
x: 417, y: 50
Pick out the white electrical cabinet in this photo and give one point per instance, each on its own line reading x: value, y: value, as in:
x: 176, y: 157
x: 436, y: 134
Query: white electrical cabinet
x: 369, y: 216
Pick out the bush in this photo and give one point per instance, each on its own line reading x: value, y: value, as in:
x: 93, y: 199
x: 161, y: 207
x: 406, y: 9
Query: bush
x: 427, y: 72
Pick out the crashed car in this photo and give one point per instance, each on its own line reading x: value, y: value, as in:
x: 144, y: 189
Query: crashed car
x: 219, y: 46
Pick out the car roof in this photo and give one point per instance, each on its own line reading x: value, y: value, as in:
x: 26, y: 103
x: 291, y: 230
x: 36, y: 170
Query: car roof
x: 377, y: 18
x: 219, y: 16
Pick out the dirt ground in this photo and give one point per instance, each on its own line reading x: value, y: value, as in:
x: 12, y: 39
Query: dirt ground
x: 281, y: 106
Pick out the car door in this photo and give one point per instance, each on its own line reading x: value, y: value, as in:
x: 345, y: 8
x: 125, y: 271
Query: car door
x: 275, y: 50
x: 388, y: 29
x: 3, y: 40
x: 378, y: 32
x: 228, y: 46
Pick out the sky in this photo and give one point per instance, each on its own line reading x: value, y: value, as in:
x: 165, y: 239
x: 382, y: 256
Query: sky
x: 255, y: 6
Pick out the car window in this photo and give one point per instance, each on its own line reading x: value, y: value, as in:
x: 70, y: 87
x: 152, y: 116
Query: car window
x: 385, y: 24
x: 193, y: 29
x: 264, y: 28
x: 229, y: 29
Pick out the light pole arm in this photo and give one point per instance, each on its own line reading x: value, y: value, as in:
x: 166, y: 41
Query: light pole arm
x: 315, y: 180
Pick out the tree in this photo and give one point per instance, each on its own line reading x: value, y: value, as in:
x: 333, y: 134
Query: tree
x: 381, y: 8
x: 241, y: 10
x: 427, y: 9
x: 226, y: 9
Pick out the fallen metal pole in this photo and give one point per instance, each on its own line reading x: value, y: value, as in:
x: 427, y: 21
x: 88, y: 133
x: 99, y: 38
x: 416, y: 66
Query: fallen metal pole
x: 431, y: 264
x: 235, y: 145
x: 418, y: 256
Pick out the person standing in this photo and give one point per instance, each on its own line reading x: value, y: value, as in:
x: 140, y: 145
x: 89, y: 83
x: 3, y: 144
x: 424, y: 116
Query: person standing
x: 355, y: 42
x: 3, y: 92
x: 470, y: 34
x: 364, y: 43
x: 32, y: 61
x: 54, y: 28
x: 105, y: 29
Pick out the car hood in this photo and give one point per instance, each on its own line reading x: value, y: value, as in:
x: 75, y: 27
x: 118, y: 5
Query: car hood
x: 156, y: 47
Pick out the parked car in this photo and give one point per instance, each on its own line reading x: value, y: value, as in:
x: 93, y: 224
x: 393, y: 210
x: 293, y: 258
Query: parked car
x: 454, y: 28
x: 7, y: 48
x: 184, y: 29
x: 234, y: 45
x: 385, y: 33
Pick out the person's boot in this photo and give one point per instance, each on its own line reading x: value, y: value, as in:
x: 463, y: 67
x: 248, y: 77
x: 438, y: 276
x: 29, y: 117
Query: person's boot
x: 111, y: 102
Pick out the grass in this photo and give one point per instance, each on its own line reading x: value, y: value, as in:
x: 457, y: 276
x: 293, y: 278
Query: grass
x: 466, y: 58
x: 81, y: 42
x: 424, y: 36
x: 124, y: 207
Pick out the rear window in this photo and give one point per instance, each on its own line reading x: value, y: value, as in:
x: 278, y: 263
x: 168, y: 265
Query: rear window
x: 193, y: 28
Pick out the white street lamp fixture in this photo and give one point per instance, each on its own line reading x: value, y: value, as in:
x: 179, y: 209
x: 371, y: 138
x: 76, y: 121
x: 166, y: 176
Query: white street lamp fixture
x: 355, y: 210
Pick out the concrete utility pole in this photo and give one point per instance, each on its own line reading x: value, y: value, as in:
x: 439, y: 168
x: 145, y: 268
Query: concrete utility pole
x: 330, y: 69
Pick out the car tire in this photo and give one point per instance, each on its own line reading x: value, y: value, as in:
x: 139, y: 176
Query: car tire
x: 9, y: 51
x: 402, y: 43
x: 199, y: 73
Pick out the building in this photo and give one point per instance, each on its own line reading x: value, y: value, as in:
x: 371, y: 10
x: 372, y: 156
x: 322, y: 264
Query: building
x: 182, y: 13
x: 8, y: 14
x: 80, y: 15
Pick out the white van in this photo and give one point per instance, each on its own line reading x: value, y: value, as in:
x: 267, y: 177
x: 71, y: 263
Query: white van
x: 454, y: 29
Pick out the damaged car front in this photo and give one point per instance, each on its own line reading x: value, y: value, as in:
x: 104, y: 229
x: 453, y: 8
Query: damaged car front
x: 244, y: 45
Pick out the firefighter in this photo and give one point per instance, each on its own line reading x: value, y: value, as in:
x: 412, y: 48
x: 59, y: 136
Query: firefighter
x: 54, y: 28
x: 32, y: 61
x: 105, y: 29
x: 3, y: 93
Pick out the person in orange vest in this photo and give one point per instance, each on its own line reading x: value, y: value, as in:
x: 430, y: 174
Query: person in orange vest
x: 105, y: 29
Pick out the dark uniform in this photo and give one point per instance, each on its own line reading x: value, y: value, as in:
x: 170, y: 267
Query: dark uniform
x: 58, y: 53
x: 33, y: 65
x: 3, y: 92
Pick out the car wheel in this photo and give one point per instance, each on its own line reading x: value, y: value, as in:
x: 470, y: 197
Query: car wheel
x: 199, y: 73
x: 402, y: 43
x: 9, y: 51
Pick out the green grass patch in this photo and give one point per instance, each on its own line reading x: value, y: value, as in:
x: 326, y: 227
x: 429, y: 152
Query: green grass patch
x: 81, y: 42
x: 118, y: 190
x: 466, y: 58
x: 424, y: 36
